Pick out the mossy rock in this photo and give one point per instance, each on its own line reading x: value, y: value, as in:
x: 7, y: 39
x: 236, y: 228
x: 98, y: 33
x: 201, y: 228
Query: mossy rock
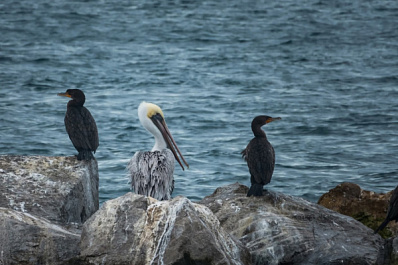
x: 368, y: 207
x: 370, y: 221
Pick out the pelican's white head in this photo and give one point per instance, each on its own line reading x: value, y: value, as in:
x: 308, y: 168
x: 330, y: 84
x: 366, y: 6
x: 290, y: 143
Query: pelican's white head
x: 152, y: 118
x: 145, y: 113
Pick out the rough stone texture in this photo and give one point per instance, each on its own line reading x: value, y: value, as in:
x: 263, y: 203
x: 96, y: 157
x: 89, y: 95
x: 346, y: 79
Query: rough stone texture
x: 394, y: 251
x: 390, y: 255
x: 134, y: 229
x: 42, y: 193
x: 280, y: 229
x: 26, y: 239
x: 60, y: 189
x: 368, y: 207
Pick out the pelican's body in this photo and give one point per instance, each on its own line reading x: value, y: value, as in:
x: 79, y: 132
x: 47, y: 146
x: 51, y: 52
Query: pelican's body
x: 392, y: 212
x: 151, y: 172
x: 260, y: 157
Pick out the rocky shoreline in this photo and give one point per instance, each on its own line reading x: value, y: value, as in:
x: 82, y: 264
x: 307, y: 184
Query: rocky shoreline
x: 49, y: 214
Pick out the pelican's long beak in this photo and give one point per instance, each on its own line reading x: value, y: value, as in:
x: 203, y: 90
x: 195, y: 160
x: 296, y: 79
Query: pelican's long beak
x: 161, y: 125
x: 64, y: 95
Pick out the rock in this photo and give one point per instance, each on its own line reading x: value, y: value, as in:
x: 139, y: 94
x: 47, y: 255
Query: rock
x: 43, y: 196
x: 390, y: 254
x: 368, y: 207
x: 26, y: 239
x: 60, y: 189
x: 281, y: 229
x: 394, y: 251
x: 43, y: 202
x: 134, y: 229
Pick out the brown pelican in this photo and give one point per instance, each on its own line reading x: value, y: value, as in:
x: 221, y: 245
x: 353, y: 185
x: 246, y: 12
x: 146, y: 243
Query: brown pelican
x: 392, y: 212
x: 151, y: 172
x: 260, y: 156
x: 80, y: 125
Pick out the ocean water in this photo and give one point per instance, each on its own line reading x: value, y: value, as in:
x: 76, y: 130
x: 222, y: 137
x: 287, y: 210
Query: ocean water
x: 329, y: 69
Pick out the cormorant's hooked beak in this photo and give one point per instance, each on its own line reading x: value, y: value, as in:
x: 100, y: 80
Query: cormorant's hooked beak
x: 161, y: 125
x: 66, y: 94
x: 272, y: 119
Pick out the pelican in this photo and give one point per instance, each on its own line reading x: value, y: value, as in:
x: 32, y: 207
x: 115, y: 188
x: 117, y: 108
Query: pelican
x: 260, y: 156
x: 151, y: 172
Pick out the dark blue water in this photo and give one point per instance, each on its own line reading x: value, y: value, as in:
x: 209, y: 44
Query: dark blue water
x: 328, y: 68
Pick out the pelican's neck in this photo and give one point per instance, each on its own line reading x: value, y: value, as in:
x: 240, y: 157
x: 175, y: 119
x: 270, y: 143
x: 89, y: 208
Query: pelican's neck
x: 160, y: 143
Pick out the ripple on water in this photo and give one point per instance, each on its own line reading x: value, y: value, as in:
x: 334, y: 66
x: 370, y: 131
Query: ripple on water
x: 212, y: 67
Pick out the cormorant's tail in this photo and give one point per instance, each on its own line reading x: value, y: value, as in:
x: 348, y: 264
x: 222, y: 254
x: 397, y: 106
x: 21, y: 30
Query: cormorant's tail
x: 85, y: 155
x: 382, y: 225
x: 255, y: 190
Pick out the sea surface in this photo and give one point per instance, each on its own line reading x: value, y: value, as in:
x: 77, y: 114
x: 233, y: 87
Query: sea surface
x: 329, y: 69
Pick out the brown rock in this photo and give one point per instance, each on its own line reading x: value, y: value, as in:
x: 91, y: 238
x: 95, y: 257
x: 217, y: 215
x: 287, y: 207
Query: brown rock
x: 368, y: 207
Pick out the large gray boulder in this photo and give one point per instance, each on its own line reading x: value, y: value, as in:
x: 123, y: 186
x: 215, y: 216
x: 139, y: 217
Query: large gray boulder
x: 281, y: 229
x: 43, y: 203
x: 134, y: 229
x: 59, y: 189
x: 26, y: 239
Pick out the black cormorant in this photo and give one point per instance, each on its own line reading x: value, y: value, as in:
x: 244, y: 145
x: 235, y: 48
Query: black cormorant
x: 151, y: 172
x: 260, y: 156
x: 80, y: 125
x: 392, y: 212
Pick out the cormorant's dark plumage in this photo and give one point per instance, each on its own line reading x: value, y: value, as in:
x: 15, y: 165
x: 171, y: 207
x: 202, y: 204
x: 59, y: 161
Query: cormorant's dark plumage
x: 260, y: 156
x: 392, y: 212
x: 80, y: 125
